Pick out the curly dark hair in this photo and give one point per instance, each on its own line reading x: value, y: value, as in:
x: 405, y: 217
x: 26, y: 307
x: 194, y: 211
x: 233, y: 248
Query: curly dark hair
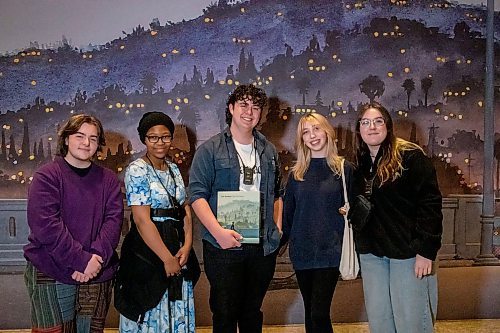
x: 72, y: 126
x: 245, y: 92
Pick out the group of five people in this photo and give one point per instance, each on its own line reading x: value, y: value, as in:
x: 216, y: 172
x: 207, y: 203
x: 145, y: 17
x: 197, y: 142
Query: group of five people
x: 75, y: 212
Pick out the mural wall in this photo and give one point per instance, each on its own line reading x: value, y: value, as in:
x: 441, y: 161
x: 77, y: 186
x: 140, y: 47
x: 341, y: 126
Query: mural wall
x: 423, y: 59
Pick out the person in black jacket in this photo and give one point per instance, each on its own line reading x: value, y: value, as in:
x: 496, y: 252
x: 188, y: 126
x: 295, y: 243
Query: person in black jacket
x: 400, y: 241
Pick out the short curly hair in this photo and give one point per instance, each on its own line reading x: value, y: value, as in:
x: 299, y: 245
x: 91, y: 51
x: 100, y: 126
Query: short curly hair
x: 246, y: 91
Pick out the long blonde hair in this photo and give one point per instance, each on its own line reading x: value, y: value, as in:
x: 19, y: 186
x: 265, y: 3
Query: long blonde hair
x: 304, y: 153
x: 390, y: 165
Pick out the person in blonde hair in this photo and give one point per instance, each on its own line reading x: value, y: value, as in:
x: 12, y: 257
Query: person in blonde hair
x: 402, y: 236
x: 312, y: 220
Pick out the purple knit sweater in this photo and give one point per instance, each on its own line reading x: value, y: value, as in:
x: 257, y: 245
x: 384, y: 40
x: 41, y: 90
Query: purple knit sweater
x: 72, y: 217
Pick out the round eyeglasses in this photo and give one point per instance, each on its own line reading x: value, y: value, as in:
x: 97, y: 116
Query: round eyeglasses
x: 377, y: 122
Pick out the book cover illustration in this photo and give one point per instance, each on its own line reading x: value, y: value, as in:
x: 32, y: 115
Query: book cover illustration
x: 240, y: 211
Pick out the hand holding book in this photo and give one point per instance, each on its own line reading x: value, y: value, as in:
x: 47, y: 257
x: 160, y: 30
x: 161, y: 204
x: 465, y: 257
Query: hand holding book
x: 228, y: 238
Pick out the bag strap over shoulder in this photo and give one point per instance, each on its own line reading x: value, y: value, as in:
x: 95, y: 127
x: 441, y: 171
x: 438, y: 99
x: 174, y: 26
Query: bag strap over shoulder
x: 346, y: 198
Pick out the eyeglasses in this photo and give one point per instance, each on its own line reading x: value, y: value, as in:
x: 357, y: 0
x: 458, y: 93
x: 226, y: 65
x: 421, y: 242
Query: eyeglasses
x: 156, y: 138
x: 377, y: 122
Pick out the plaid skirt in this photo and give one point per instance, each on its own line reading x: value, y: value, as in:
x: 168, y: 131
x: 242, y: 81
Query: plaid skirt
x: 58, y: 307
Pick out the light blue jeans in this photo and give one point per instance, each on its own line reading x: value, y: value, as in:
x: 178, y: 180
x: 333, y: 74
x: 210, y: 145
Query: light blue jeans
x: 396, y: 301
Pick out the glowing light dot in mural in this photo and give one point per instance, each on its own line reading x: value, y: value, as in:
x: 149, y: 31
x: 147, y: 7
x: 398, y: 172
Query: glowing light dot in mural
x: 279, y: 14
x: 16, y: 60
x: 469, y: 61
x: 122, y: 47
x: 185, y: 100
x: 20, y: 151
x: 32, y: 157
x: 236, y: 83
x: 84, y: 56
x: 50, y: 138
x: 13, y: 177
x: 207, y: 20
x: 334, y: 114
x: 285, y: 117
x: 403, y: 51
x: 175, y: 51
x: 260, y: 83
x: 460, y: 116
x: 118, y: 105
x: 480, y: 103
x: 375, y: 34
x: 15, y: 163
x: 385, y: 34
x: 50, y: 60
x: 456, y: 94
x: 142, y: 105
x: 110, y: 106
x: 450, y: 93
x: 222, y: 82
x: 119, y: 169
x: 90, y: 56
x: 192, y: 51
x: 154, y: 32
x: 437, y: 111
x: 452, y: 115
x: 292, y: 76
x: 407, y: 69
x: 310, y: 61
x: 348, y: 6
x: 311, y: 68
x: 169, y: 101
x: 21, y: 120
x: 315, y: 19
x: 178, y: 99
x: 322, y: 20
x: 339, y: 103
x: 105, y: 70
x: 445, y: 117
x: 33, y: 82
x: 164, y: 55
x: 177, y: 108
x: 242, y: 9
x: 20, y: 173
x: 389, y: 74
x: 229, y: 82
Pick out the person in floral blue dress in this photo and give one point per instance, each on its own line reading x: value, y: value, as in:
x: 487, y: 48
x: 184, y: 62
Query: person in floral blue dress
x: 156, y: 194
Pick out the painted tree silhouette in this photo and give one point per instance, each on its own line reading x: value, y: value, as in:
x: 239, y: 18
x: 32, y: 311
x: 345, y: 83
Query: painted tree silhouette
x: 148, y: 83
x: 409, y: 87
x: 372, y: 86
x: 425, y: 85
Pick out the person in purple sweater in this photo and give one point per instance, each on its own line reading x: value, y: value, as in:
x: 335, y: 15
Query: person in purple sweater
x: 313, y: 222
x: 75, y: 213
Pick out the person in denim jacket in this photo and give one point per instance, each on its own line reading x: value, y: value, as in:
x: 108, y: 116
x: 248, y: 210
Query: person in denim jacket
x: 239, y: 274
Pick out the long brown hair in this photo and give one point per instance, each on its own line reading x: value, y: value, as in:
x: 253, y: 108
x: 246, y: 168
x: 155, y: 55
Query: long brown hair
x: 304, y: 153
x: 72, y: 126
x: 390, y: 165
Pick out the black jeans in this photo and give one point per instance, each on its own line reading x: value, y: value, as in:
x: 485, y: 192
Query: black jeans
x: 317, y: 287
x: 238, y: 283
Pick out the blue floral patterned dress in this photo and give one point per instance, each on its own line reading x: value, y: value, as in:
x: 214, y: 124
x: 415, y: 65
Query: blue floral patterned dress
x: 144, y: 189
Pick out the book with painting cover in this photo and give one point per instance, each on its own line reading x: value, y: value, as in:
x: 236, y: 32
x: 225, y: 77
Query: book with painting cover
x: 240, y: 211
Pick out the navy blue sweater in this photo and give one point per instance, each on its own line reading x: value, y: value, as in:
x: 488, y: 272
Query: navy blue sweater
x: 311, y: 222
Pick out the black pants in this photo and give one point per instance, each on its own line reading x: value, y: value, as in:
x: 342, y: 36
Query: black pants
x: 238, y: 283
x: 317, y: 287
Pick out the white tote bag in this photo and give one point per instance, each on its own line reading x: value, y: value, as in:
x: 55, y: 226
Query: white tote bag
x: 349, y: 264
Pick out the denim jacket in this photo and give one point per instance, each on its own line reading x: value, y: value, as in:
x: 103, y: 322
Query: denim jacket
x: 216, y: 168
